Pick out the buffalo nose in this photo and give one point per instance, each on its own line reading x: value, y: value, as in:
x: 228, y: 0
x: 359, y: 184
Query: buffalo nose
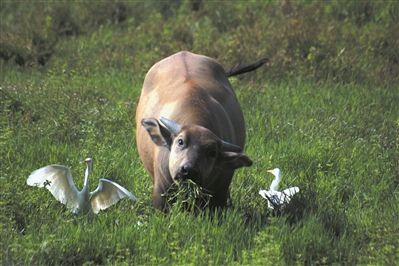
x: 186, y: 170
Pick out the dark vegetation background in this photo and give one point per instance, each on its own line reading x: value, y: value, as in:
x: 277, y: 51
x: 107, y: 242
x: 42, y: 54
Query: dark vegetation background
x: 324, y: 109
x: 341, y: 41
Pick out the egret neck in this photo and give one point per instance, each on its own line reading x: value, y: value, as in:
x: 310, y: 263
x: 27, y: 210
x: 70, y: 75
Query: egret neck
x: 89, y: 163
x: 277, y: 178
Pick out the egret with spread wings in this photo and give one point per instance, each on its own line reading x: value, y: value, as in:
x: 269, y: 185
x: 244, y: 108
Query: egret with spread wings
x: 58, y: 180
x: 275, y: 198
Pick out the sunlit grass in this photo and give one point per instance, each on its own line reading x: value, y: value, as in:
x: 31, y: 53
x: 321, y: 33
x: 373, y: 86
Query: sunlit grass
x: 339, y: 144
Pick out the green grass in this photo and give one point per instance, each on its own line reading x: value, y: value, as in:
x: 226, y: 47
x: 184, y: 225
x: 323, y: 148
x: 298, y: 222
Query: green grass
x: 337, y: 141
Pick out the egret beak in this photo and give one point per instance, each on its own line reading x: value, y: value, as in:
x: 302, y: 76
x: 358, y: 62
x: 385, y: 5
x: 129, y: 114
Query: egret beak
x: 270, y: 171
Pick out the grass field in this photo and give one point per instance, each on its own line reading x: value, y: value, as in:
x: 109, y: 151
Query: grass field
x: 339, y: 142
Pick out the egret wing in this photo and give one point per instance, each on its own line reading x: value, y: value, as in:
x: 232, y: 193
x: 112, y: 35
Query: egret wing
x: 273, y: 198
x: 290, y: 192
x: 107, y: 194
x: 287, y: 194
x: 58, y: 180
x: 265, y: 194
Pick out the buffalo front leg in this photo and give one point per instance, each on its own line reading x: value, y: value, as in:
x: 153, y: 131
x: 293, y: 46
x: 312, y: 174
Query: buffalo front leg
x: 161, y: 186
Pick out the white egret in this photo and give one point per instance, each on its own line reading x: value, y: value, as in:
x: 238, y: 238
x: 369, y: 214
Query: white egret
x: 58, y: 180
x: 275, y: 198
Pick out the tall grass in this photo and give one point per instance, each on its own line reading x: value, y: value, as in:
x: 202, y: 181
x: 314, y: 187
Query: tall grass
x: 340, y: 41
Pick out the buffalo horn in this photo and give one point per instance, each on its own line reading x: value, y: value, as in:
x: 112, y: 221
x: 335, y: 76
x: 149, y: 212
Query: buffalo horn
x: 226, y: 146
x: 171, y: 125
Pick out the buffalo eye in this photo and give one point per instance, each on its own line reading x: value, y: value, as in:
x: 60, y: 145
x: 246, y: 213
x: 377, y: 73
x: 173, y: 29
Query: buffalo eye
x: 180, y: 142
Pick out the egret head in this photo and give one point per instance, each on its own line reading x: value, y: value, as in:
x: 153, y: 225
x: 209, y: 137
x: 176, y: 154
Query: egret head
x: 89, y: 163
x: 276, y: 172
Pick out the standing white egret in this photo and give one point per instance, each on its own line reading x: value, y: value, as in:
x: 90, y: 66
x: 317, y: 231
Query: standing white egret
x: 275, y: 198
x: 58, y: 180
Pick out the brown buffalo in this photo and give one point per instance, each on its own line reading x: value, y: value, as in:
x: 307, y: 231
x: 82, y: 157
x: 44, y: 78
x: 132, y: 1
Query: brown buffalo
x: 189, y: 124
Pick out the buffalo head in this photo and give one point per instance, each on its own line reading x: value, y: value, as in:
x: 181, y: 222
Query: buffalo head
x: 194, y: 151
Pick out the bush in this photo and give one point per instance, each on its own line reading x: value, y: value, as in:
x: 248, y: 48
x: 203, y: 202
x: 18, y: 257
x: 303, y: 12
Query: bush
x: 348, y: 41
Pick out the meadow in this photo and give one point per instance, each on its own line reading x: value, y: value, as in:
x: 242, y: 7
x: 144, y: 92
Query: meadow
x: 324, y: 110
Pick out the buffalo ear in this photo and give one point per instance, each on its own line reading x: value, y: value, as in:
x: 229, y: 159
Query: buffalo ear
x: 159, y: 134
x: 235, y: 160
